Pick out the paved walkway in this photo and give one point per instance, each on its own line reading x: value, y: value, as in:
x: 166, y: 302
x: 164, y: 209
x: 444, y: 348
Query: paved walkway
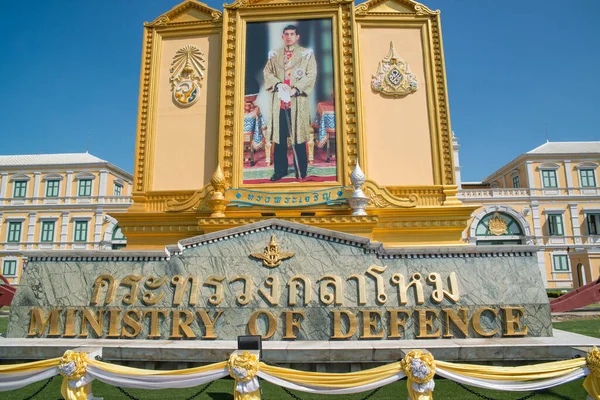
x: 579, y: 313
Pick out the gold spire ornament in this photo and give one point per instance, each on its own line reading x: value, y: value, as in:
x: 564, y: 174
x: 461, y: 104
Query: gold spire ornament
x: 217, y: 201
x: 187, y: 73
x: 272, y: 255
x: 497, y: 225
x: 393, y: 77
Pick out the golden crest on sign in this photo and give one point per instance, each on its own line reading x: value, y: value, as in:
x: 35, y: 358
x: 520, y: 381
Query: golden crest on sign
x: 272, y: 255
x: 187, y: 72
x: 393, y: 76
x: 497, y: 225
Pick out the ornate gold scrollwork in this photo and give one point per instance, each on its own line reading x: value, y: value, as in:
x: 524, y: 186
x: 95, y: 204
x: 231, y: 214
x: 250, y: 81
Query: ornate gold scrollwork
x: 237, y: 4
x: 272, y: 255
x: 381, y: 198
x: 187, y: 73
x: 393, y: 77
x: 418, y: 8
x: 196, y: 202
x: 361, y: 8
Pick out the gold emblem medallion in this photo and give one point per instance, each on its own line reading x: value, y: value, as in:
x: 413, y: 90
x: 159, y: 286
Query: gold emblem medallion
x: 393, y: 77
x: 272, y: 255
x: 497, y: 225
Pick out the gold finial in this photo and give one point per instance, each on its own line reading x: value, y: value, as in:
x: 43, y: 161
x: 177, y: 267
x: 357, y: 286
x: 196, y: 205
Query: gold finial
x: 218, y: 179
x: 217, y: 202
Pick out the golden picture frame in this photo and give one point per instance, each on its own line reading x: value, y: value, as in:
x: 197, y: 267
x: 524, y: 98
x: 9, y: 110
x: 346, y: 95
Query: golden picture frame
x: 247, y: 17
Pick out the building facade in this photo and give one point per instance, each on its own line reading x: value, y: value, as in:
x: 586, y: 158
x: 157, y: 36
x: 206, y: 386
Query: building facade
x: 58, y: 202
x: 550, y: 197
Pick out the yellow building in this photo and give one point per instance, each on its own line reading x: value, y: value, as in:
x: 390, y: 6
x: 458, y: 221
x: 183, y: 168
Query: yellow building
x: 205, y: 134
x: 58, y: 202
x: 550, y: 197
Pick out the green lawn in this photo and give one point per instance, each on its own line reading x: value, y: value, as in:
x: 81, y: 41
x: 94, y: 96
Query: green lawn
x: 3, y: 324
x: 588, y: 327
x: 222, y: 390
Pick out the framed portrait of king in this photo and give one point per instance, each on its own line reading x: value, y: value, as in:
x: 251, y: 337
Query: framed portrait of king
x: 288, y: 125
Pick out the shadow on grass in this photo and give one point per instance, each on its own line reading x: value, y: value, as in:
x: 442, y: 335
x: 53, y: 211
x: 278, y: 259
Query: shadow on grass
x: 220, y: 395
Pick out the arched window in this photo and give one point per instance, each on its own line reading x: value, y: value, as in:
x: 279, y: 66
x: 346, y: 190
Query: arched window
x: 499, y: 228
x: 118, y: 239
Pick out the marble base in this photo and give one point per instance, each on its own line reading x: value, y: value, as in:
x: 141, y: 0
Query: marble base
x: 312, y: 355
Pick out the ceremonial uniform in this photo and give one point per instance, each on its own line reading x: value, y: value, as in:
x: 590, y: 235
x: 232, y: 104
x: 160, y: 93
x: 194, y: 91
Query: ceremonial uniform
x: 296, y: 67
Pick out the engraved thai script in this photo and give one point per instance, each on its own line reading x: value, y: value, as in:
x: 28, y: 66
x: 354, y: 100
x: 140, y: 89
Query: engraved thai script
x: 377, y: 285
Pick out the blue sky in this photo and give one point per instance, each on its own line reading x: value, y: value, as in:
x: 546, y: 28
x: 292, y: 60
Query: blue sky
x: 69, y: 76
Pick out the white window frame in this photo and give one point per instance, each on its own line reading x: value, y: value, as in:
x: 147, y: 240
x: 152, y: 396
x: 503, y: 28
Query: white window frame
x: 87, y: 229
x: 560, y: 254
x: 83, y: 176
x: 49, y: 245
x: 14, y: 193
x: 9, y: 222
x: 44, y: 222
x: 516, y: 178
x: 91, y: 187
x: 587, y: 212
x: 10, y: 259
x: 549, y: 167
x: 555, y: 239
x: 115, y: 186
x: 57, y: 189
x: 587, y: 165
x: 556, y: 217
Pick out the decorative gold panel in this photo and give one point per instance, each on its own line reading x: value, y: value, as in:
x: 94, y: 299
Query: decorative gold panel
x: 188, y: 19
x: 408, y: 13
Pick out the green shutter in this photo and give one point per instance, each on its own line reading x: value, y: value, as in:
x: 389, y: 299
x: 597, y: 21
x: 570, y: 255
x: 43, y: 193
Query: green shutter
x: 80, y: 231
x: 14, y: 232
x: 47, y: 231
x: 9, y: 268
x: 52, y: 188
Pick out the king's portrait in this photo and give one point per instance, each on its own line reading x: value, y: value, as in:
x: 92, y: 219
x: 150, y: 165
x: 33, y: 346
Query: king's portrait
x: 289, y: 103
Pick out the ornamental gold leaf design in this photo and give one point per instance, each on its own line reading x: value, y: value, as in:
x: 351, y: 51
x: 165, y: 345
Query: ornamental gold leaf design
x: 380, y: 197
x: 196, y: 202
x: 272, y: 256
x: 394, y: 77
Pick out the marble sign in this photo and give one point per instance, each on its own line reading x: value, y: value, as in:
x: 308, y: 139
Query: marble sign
x: 284, y: 281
